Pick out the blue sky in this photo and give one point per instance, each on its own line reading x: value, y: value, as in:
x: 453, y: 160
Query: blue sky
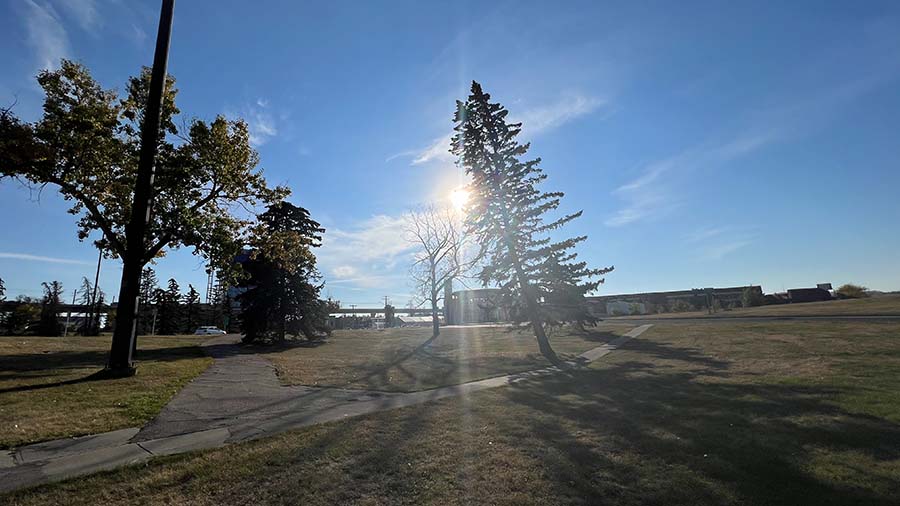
x: 709, y: 144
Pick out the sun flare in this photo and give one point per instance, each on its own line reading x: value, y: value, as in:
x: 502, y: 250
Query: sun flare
x: 459, y: 198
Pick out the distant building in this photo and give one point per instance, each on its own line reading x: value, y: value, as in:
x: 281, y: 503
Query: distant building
x: 652, y: 302
x: 797, y: 295
x: 621, y: 307
x: 482, y: 305
x: 413, y: 321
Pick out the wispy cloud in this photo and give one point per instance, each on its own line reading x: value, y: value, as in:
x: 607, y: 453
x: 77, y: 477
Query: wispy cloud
x: 536, y: 121
x: 714, y: 243
x: 138, y: 35
x: 718, y: 251
x: 652, y: 194
x: 705, y: 233
x: 548, y: 117
x: 647, y: 196
x: 366, y: 254
x: 345, y: 272
x: 261, y: 122
x: 437, y: 151
x: 37, y: 258
x: 84, y: 12
x: 46, y: 34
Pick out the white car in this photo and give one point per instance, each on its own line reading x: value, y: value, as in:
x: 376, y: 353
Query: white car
x: 209, y: 331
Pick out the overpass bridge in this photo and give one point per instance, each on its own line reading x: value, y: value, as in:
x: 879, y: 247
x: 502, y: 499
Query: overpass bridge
x: 377, y: 310
x: 11, y: 305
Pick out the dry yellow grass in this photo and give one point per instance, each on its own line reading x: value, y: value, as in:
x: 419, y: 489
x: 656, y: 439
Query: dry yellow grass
x: 395, y: 360
x: 44, y: 393
x: 675, y: 417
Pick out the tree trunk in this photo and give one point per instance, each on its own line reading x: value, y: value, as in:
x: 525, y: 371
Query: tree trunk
x: 124, y: 340
x: 538, y: 327
x: 435, y: 321
x: 531, y: 304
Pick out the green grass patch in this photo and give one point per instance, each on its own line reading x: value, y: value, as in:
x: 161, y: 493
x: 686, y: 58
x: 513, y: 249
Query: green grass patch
x: 46, y: 389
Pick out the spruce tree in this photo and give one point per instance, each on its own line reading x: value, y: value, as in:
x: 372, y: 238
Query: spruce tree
x: 49, y: 324
x: 282, y: 284
x: 191, y: 308
x: 149, y: 286
x: 169, y: 318
x: 508, y: 216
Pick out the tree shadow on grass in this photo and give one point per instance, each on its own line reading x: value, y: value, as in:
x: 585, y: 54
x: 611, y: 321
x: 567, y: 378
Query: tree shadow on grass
x: 32, y: 366
x: 87, y: 358
x: 720, y: 440
x: 433, y: 368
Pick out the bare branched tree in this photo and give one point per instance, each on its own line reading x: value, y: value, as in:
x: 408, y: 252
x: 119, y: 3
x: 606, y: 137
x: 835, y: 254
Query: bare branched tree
x: 438, y: 235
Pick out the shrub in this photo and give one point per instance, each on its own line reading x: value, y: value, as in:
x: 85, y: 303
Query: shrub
x: 681, y: 306
x: 752, y: 298
x: 850, y: 291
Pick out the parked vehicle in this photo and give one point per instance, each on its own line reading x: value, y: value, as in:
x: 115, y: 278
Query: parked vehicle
x: 209, y: 331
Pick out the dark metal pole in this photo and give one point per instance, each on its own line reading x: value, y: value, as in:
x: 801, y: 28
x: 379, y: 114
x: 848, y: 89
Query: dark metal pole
x: 120, y: 354
x: 95, y: 311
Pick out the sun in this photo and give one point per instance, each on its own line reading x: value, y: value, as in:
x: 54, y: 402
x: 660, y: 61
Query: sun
x: 459, y: 198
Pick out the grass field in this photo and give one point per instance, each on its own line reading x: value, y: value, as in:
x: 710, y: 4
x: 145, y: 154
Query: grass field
x: 711, y: 413
x: 887, y: 305
x: 44, y: 392
x: 396, y: 360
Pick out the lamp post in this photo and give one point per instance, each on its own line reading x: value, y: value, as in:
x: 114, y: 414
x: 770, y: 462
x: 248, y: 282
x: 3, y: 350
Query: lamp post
x: 120, y: 354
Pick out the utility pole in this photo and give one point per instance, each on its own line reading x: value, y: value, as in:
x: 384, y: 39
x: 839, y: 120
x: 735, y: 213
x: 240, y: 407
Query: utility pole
x: 121, y: 352
x: 94, y: 308
x: 69, y: 314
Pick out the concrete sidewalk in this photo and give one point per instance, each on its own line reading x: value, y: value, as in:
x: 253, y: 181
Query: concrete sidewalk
x: 237, y: 399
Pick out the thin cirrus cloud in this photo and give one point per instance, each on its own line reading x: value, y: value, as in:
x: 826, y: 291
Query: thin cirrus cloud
x: 542, y: 119
x: 46, y: 35
x: 84, y: 12
x: 652, y: 195
x: 715, y: 243
x: 46, y: 31
x: 535, y: 121
x: 646, y: 196
x: 261, y: 123
x: 38, y: 258
x: 719, y: 251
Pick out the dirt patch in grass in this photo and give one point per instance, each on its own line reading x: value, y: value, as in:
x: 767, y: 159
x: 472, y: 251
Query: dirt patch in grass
x: 670, y: 419
x: 46, y: 389
x: 398, y: 359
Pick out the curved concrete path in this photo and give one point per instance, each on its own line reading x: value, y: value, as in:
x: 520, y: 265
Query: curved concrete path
x: 238, y: 398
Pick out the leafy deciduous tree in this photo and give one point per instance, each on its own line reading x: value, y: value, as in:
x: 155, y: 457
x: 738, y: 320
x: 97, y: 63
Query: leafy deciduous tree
x: 86, y: 145
x: 27, y: 311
